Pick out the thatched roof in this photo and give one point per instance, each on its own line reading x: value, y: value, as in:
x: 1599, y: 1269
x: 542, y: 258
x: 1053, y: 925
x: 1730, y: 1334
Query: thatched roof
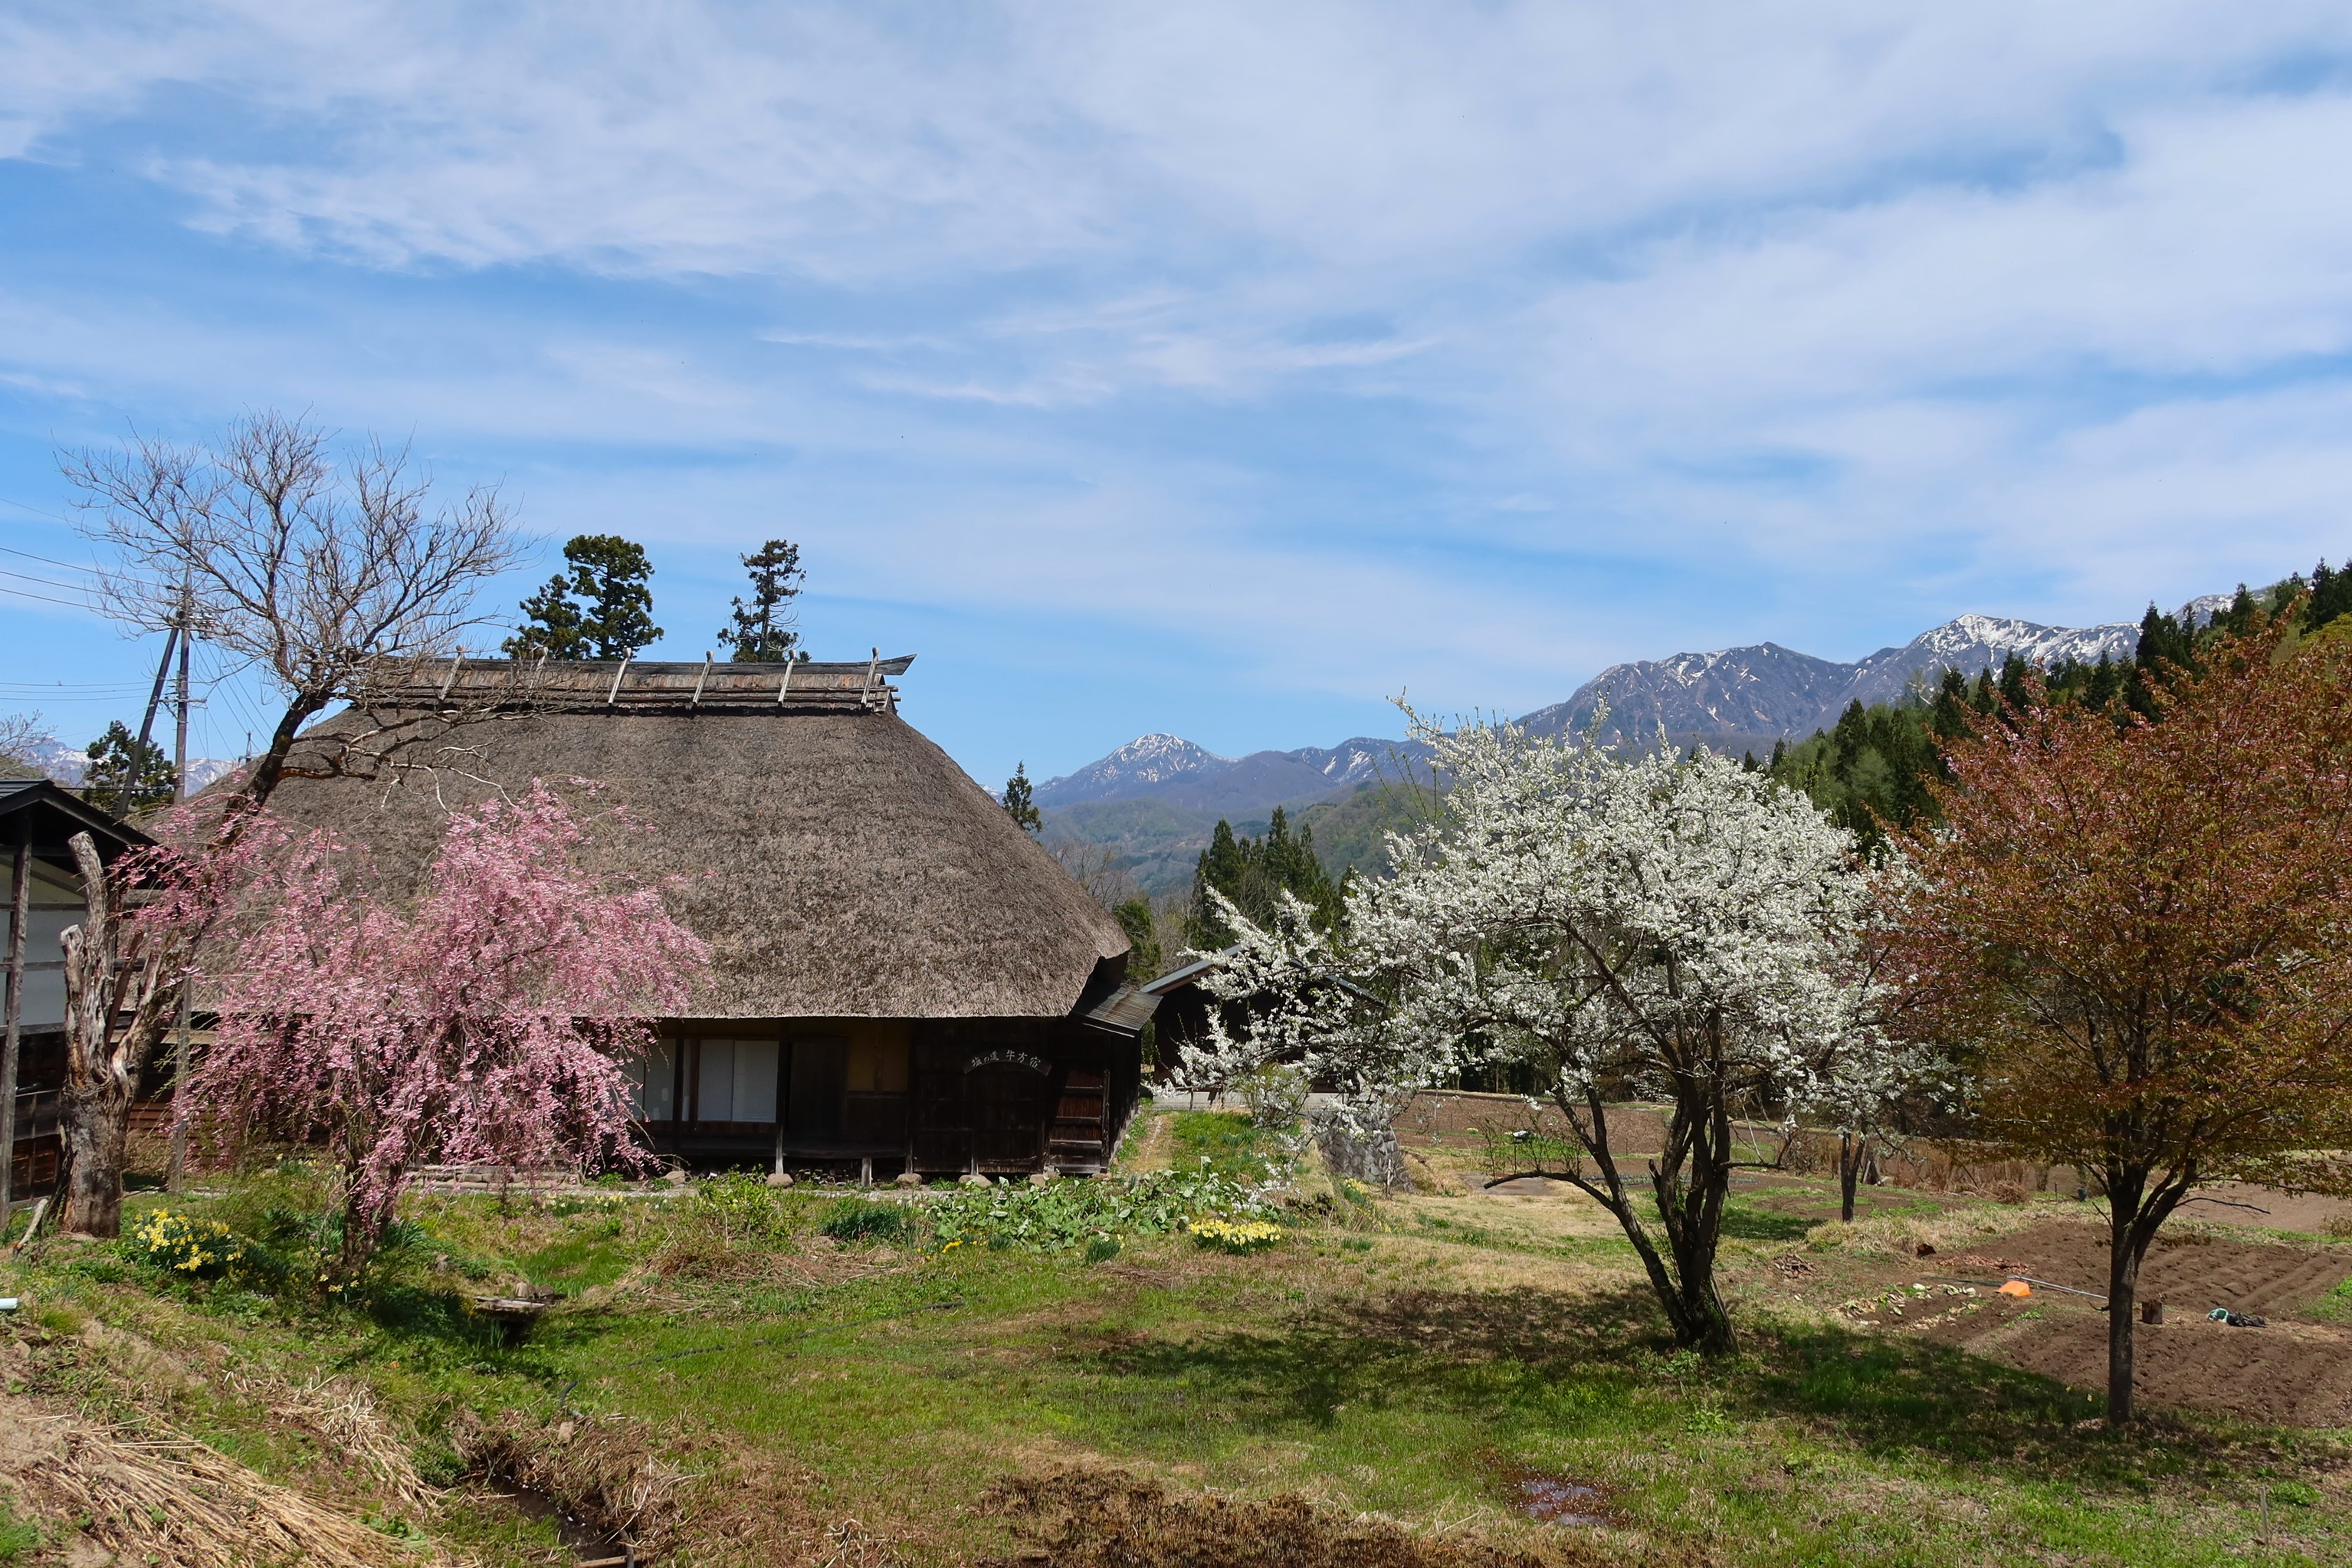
x: 839, y: 863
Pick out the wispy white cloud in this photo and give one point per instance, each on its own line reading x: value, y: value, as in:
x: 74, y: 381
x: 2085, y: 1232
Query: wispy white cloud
x: 1476, y: 345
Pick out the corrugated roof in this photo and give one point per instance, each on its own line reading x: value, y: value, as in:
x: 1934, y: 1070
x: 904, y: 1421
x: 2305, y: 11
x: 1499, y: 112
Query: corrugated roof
x: 59, y: 814
x: 1175, y: 979
x: 1124, y: 1012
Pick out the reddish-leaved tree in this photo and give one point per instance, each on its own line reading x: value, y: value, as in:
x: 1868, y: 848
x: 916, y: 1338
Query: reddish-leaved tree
x: 488, y: 1020
x: 2136, y: 936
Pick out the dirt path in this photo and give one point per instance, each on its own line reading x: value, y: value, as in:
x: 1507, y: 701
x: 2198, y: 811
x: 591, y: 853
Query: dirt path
x: 1154, y: 1150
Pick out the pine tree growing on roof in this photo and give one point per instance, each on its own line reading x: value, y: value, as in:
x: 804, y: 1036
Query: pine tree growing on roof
x: 1020, y: 801
x: 761, y: 631
x: 600, y: 607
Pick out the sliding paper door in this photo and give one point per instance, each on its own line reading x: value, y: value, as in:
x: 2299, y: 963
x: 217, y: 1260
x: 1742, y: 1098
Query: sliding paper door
x: 735, y: 1081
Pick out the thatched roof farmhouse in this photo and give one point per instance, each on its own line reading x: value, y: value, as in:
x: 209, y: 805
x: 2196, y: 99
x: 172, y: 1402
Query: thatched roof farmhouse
x: 901, y: 975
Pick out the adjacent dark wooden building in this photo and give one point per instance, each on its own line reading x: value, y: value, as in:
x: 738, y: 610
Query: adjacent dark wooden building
x: 903, y: 979
x: 38, y: 818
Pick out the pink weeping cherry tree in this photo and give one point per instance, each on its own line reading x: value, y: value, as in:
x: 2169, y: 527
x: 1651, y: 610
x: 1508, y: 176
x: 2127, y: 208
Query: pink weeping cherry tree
x: 489, y: 1019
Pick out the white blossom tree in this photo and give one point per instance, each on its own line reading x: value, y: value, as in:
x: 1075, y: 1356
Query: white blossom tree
x: 1650, y: 929
x: 1865, y: 1080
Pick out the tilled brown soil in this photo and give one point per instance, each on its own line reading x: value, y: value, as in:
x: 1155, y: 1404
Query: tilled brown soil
x: 1107, y: 1519
x: 2295, y: 1372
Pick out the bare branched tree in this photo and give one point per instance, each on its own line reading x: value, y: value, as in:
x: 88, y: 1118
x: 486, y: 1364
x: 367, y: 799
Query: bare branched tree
x: 23, y: 737
x: 1097, y: 868
x: 332, y: 577
x: 324, y: 576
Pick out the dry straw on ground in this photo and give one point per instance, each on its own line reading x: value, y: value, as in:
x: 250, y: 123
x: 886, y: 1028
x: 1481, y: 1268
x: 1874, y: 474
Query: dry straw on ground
x: 171, y: 1501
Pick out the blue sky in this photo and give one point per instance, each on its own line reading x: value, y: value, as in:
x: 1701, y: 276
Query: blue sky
x: 1222, y: 369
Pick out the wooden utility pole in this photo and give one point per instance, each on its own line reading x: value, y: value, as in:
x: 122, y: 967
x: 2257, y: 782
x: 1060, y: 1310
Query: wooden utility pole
x: 155, y: 698
x: 172, y: 1177
x: 20, y: 899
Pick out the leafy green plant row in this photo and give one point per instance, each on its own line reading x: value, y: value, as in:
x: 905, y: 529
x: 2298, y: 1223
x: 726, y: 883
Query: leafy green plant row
x: 1089, y: 1216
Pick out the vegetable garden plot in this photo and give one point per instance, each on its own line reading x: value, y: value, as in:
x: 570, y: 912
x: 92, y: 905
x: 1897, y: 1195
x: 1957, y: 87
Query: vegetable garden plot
x: 2297, y: 1371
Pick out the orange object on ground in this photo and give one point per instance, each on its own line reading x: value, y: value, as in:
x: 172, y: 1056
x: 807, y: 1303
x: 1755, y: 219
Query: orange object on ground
x: 2015, y: 1288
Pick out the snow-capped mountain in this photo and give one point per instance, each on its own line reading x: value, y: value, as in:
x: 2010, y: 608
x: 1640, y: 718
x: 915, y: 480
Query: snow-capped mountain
x: 1169, y: 769
x: 1731, y: 699
x: 1971, y: 643
x: 65, y: 764
x: 58, y: 761
x: 1766, y: 689
x: 1745, y: 695
x: 2200, y: 610
x: 1145, y: 765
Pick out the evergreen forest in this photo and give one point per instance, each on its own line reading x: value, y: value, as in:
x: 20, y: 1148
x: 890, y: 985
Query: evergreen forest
x: 1255, y: 873
x: 1873, y: 770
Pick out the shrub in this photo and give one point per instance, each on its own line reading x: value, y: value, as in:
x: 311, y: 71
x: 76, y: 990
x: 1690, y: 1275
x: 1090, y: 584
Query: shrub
x: 857, y: 1220
x: 744, y: 1208
x: 196, y: 1248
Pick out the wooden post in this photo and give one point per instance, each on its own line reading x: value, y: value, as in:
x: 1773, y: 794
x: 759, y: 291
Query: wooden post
x: 172, y: 1175
x: 155, y: 698
x: 180, y: 740
x: 786, y: 689
x: 695, y: 700
x: 678, y: 1096
x: 20, y: 885
x: 442, y: 696
x: 614, y: 695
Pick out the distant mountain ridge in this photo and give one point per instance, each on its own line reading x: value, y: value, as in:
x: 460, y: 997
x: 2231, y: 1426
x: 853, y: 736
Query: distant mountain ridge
x: 1768, y: 692
x: 1154, y: 800
x: 65, y: 764
x: 1142, y: 766
x: 1164, y: 767
x: 1736, y: 696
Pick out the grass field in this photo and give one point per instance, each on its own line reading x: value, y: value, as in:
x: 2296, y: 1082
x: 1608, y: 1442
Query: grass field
x: 725, y: 1380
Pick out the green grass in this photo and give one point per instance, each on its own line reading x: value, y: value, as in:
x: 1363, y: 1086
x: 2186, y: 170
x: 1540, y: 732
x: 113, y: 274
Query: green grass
x: 18, y: 1538
x: 1375, y: 1373
x: 1227, y: 1142
x: 1747, y: 1221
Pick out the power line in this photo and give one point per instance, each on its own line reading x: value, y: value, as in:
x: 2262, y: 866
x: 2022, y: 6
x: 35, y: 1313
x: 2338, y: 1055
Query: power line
x: 46, y: 560
x: 97, y: 571
x: 69, y: 603
x: 239, y: 704
x: 52, y: 582
x: 36, y: 511
x: 38, y: 694
x: 122, y: 699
